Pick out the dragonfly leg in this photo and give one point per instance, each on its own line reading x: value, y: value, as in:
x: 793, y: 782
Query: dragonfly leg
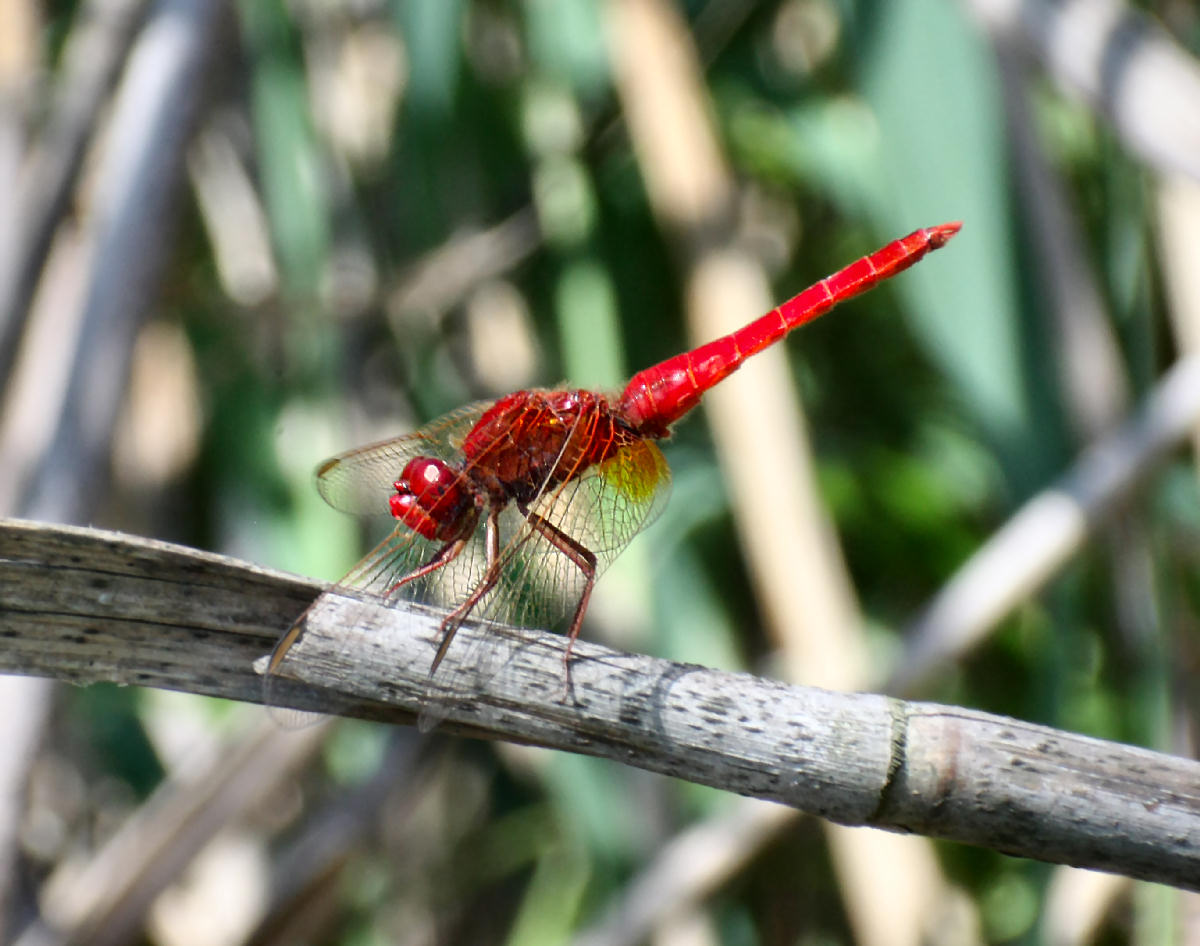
x: 442, y: 557
x: 491, y: 575
x: 585, y: 560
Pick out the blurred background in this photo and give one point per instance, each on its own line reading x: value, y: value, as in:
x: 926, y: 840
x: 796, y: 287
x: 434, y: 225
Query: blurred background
x: 237, y: 238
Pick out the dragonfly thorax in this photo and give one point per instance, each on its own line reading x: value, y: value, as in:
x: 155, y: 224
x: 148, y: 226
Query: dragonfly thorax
x: 433, y: 499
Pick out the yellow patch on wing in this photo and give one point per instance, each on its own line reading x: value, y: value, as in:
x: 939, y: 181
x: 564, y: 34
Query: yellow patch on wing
x: 636, y: 471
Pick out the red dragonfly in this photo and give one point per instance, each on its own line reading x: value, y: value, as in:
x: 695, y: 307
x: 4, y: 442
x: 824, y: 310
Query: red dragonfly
x: 510, y: 509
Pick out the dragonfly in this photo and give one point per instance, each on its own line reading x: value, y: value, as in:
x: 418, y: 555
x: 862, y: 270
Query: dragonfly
x: 511, y: 509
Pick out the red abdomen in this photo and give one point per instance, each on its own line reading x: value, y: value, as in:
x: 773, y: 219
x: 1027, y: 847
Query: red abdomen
x: 661, y: 394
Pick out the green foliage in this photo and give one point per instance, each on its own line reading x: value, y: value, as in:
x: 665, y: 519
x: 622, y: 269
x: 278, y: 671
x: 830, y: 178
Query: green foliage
x: 934, y: 402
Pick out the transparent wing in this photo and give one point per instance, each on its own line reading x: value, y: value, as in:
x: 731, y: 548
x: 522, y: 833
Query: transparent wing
x: 360, y: 481
x: 602, y: 508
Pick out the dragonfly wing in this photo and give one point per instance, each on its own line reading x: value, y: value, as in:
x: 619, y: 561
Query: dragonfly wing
x: 361, y: 481
x: 601, y: 508
x: 622, y: 496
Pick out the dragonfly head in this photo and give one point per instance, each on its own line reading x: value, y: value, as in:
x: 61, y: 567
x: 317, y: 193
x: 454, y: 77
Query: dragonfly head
x: 431, y: 498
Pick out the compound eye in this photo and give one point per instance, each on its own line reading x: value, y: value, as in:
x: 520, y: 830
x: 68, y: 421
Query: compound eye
x: 430, y: 498
x: 426, y: 478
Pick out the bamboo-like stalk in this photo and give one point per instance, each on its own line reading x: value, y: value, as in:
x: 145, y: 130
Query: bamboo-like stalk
x: 83, y: 606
